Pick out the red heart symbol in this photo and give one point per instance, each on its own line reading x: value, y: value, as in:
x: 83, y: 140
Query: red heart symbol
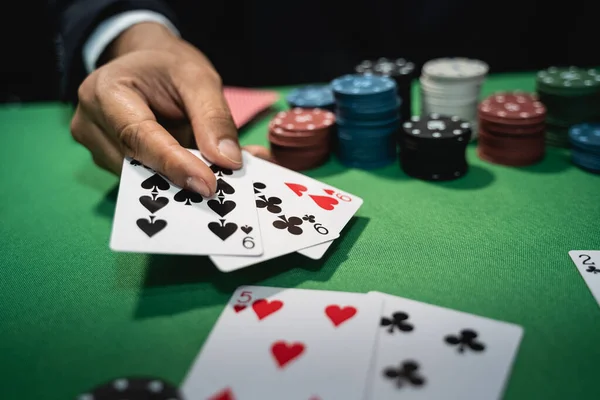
x: 225, y: 394
x: 263, y: 308
x: 239, y: 307
x: 329, y: 191
x: 325, y: 202
x: 337, y: 314
x: 284, y: 353
x: 296, y: 188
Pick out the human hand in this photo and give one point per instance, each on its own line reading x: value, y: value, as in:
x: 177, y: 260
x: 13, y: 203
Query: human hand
x: 157, y: 96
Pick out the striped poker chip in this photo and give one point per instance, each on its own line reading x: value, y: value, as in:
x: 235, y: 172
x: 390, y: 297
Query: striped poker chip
x: 360, y: 85
x: 436, y: 126
x: 130, y: 388
x: 300, y: 138
x: 586, y: 136
x: 514, y: 106
x: 569, y: 77
x: 311, y: 96
x: 455, y: 68
x: 301, y: 119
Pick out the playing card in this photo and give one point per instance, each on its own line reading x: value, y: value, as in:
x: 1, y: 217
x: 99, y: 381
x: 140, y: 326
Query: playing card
x: 338, y: 206
x: 288, y: 222
x: 245, y: 104
x: 588, y: 264
x: 155, y: 216
x: 428, y: 352
x: 335, y: 206
x: 274, y: 343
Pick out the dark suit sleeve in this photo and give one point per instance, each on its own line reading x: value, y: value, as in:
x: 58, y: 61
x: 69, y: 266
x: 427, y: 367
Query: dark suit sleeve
x: 75, y: 20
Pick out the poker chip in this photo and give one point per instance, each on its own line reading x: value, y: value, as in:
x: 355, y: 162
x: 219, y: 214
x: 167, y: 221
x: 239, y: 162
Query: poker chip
x: 456, y: 68
x: 516, y: 107
x: 133, y: 389
x: 367, y: 120
x: 433, y: 147
x: 571, y: 96
x: 359, y: 85
x: 300, y: 138
x: 585, y: 146
x: 311, y: 96
x: 511, y: 129
x: 452, y: 87
x: 568, y: 81
x: 401, y: 71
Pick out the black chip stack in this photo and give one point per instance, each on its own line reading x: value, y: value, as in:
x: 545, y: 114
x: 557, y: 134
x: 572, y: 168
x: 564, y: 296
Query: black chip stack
x: 433, y: 147
x: 401, y: 71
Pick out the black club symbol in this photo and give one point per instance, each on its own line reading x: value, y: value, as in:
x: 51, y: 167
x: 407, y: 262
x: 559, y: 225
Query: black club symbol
x: 272, y: 204
x: 291, y: 224
x: 258, y: 186
x: 406, y: 372
x: 465, y: 340
x: 309, y: 218
x: 398, y: 321
x: 593, y: 270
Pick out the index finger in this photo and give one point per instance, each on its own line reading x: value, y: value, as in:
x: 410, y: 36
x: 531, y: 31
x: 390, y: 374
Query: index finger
x: 131, y: 121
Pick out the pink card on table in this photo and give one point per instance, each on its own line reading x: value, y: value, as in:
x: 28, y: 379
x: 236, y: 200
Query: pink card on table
x: 245, y: 104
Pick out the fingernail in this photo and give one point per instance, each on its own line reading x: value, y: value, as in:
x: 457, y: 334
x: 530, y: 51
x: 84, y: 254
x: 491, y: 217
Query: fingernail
x: 198, y: 185
x: 230, y: 150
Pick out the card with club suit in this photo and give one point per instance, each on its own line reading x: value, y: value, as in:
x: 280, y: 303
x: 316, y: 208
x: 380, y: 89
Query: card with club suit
x: 324, y: 207
x: 428, y: 352
x: 288, y: 222
x: 588, y: 265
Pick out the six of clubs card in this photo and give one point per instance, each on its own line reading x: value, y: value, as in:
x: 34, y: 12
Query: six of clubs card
x: 295, y: 213
x: 335, y: 206
x: 154, y: 216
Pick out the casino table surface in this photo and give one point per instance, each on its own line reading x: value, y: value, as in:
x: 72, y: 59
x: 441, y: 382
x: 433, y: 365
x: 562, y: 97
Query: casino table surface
x: 74, y: 314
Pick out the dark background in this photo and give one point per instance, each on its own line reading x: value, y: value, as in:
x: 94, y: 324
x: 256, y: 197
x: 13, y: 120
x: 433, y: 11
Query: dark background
x: 273, y: 42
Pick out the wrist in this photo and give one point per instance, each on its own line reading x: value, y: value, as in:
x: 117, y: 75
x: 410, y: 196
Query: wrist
x: 141, y: 36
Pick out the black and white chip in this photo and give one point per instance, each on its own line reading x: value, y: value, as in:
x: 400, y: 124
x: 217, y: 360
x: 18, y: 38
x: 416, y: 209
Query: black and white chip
x: 433, y: 147
x: 134, y: 388
x: 436, y: 126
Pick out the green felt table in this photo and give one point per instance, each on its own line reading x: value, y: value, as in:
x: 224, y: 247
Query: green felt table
x: 74, y: 314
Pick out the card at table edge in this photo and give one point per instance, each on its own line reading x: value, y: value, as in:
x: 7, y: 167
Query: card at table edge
x: 197, y: 153
x: 253, y: 256
x: 595, y: 295
x: 519, y: 330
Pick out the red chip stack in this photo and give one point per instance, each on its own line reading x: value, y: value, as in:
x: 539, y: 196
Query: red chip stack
x: 301, y: 138
x: 511, y: 129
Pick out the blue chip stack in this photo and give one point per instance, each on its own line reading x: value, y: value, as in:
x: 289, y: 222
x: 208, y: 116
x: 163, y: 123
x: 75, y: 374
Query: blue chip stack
x: 367, y: 120
x: 585, y: 146
x: 311, y: 96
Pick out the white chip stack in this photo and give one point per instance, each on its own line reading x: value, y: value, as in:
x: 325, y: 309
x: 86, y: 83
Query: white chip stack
x: 452, y: 87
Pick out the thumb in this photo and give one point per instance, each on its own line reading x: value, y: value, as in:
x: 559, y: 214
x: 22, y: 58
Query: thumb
x: 214, y: 130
